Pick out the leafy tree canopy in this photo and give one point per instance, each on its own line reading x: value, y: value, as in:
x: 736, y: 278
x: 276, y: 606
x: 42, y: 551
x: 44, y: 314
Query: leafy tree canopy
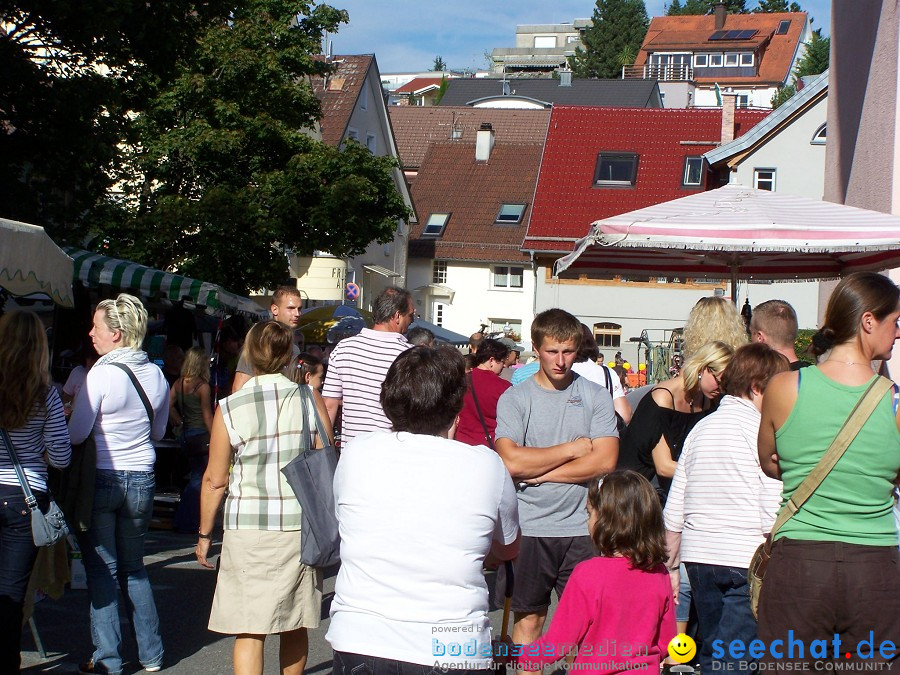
x: 815, y: 59
x: 678, y: 8
x: 768, y: 6
x: 439, y: 64
x: 618, y: 29
x: 195, y: 115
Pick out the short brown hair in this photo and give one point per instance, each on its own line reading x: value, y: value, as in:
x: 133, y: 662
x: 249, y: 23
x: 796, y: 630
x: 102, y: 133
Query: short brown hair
x: 751, y: 367
x: 283, y: 292
x: 778, y: 320
x: 557, y: 324
x: 491, y: 348
x: 424, y: 389
x: 629, y: 519
x: 269, y: 347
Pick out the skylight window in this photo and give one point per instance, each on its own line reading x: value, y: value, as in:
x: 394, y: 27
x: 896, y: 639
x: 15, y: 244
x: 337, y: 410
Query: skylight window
x: 783, y: 27
x: 616, y: 169
x: 434, y: 226
x: 510, y: 213
x: 693, y: 171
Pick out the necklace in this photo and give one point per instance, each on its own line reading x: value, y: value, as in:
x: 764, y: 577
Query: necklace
x: 849, y: 363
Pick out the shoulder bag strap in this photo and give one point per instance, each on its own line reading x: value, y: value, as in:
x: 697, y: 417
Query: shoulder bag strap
x: 606, y: 374
x: 310, y: 400
x: 861, y: 412
x: 11, y: 449
x: 487, y: 435
x: 140, y: 389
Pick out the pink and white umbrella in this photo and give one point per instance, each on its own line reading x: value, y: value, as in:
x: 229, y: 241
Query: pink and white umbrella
x: 738, y: 232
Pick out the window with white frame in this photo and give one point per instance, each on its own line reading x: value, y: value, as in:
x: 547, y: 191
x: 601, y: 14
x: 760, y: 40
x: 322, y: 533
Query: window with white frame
x: 353, y: 133
x: 742, y: 100
x: 364, y: 97
x: 439, y: 272
x: 437, y: 313
x: 747, y: 59
x: 371, y: 143
x: 731, y: 60
x: 820, y: 135
x: 434, y: 226
x: 608, y: 334
x: 764, y: 179
x: 510, y: 214
x: 505, y: 276
x: 715, y: 60
x: 693, y: 171
x: 544, y: 41
x: 701, y: 60
x: 509, y: 327
x: 616, y: 169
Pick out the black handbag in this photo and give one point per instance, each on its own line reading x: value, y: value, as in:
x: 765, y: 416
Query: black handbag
x: 46, y: 528
x: 311, y: 477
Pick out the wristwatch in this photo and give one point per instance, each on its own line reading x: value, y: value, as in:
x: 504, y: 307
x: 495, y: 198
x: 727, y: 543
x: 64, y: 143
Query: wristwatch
x: 204, y: 536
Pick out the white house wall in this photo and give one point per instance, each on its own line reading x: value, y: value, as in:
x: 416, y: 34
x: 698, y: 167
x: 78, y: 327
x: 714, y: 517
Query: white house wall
x: 760, y: 97
x: 475, y: 301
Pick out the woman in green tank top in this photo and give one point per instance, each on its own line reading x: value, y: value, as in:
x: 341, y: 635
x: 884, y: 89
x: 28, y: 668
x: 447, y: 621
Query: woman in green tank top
x: 834, y: 570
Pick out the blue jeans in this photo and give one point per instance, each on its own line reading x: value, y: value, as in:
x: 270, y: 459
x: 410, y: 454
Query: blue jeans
x: 113, y: 552
x: 187, y: 515
x: 17, y: 554
x: 721, y: 597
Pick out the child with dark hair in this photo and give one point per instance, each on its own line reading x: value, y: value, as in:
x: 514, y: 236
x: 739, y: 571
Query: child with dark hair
x: 310, y: 370
x: 624, y: 592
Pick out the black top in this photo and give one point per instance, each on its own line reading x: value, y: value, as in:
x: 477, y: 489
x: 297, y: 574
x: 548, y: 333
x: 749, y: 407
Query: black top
x: 797, y: 365
x: 650, y: 423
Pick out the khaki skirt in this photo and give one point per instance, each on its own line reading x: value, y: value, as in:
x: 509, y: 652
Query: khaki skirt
x: 262, y: 588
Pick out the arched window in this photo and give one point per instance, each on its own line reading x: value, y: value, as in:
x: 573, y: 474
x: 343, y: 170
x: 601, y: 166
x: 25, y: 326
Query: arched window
x: 819, y: 137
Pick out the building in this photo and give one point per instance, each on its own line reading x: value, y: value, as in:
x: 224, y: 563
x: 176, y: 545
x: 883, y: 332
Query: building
x: 390, y: 82
x: 540, y: 49
x: 697, y: 57
x: 600, y: 162
x: 542, y: 93
x: 354, y: 108
x: 420, y: 91
x: 473, y: 175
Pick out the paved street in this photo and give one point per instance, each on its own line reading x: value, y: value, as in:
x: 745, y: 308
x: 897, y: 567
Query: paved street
x: 183, y: 592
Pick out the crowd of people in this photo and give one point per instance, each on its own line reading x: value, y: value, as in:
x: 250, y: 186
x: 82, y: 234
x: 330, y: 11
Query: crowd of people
x: 451, y: 465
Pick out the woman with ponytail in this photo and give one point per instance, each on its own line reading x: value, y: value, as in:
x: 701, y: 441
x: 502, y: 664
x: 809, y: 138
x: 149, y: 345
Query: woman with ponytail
x: 834, y: 569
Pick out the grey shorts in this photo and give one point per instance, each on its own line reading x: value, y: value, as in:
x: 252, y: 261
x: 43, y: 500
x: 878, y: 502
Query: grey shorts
x: 544, y: 564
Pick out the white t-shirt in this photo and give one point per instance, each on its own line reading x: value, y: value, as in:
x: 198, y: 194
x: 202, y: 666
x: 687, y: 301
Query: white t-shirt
x: 417, y: 516
x: 75, y: 381
x: 110, y: 406
x: 595, y: 373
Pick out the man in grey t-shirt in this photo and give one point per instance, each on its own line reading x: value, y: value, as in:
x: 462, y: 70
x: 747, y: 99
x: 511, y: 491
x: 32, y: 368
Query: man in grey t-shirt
x: 555, y: 433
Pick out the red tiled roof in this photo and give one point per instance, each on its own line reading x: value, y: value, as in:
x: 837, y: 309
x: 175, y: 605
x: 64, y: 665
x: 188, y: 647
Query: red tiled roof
x: 339, y: 98
x: 418, y: 84
x: 415, y: 127
x: 450, y: 180
x: 691, y: 33
x: 566, y: 201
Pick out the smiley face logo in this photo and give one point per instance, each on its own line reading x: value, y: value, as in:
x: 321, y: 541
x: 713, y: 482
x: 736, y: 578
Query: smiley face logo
x: 682, y: 648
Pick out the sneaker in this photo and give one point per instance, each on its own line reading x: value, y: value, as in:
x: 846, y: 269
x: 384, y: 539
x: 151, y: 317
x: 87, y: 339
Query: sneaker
x: 153, y: 669
x: 89, y: 668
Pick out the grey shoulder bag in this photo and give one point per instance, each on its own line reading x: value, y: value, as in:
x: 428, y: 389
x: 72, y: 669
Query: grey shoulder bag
x: 46, y: 528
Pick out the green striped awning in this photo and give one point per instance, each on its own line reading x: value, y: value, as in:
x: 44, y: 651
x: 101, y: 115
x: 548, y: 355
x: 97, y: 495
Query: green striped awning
x: 94, y: 270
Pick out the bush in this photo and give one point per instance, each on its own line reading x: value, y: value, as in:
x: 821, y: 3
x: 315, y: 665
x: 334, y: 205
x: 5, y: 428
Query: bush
x: 801, y: 344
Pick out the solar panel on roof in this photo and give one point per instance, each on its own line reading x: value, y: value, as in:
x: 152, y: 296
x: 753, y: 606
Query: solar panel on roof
x: 747, y: 34
x: 733, y: 35
x: 718, y: 35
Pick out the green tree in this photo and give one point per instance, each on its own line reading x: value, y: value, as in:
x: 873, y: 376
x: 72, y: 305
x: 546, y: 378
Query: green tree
x: 770, y: 6
x: 442, y: 90
x: 222, y: 177
x: 617, y: 26
x: 439, y: 64
x: 676, y: 8
x: 782, y: 94
x: 815, y: 58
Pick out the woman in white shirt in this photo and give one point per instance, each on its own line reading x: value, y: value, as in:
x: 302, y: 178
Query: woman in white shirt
x: 418, y: 515
x: 721, y: 505
x: 125, y: 416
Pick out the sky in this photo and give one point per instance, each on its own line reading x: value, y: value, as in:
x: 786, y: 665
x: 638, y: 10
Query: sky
x: 406, y: 35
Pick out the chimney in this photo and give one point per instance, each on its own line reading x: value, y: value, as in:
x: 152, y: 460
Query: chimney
x: 720, y: 12
x: 729, y: 100
x: 565, y: 78
x: 484, y: 142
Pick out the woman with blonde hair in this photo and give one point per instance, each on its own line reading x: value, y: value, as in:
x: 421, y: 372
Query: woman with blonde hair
x: 31, y: 412
x: 713, y: 318
x: 262, y: 589
x: 190, y: 408
x: 124, y: 404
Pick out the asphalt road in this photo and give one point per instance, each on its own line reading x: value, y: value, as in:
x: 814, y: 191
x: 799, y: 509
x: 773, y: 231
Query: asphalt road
x: 183, y: 592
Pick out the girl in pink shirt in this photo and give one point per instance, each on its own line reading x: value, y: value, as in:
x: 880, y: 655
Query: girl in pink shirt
x: 617, y: 611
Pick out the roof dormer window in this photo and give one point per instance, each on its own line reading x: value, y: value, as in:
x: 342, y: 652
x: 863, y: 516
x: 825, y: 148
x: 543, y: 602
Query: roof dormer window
x: 434, y: 226
x: 616, y: 169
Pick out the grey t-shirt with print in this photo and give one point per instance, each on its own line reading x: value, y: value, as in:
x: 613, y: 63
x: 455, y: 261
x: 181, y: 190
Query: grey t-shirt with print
x: 534, y: 417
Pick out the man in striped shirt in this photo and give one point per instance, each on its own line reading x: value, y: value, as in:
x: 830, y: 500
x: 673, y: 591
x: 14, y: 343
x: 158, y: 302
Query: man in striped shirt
x: 358, y: 365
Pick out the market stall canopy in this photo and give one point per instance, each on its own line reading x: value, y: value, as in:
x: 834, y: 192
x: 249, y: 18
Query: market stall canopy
x: 330, y: 323
x: 31, y: 263
x: 441, y: 334
x: 94, y: 270
x: 739, y: 232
